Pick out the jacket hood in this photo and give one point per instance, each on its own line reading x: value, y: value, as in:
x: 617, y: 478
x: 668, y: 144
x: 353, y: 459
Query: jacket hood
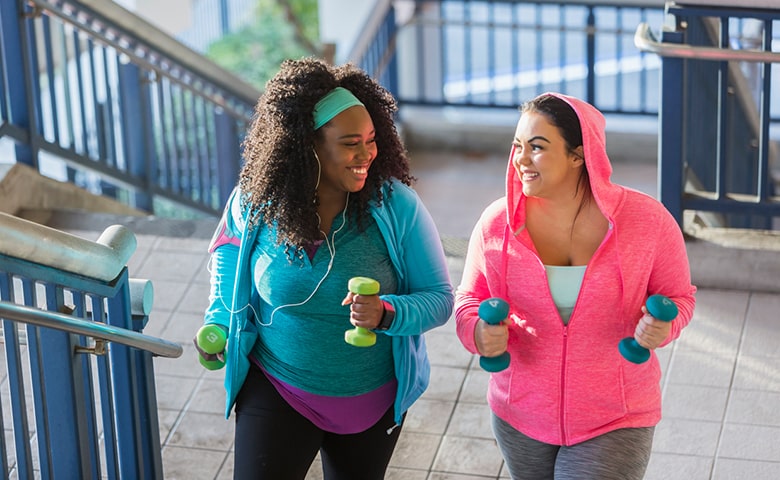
x: 606, y: 194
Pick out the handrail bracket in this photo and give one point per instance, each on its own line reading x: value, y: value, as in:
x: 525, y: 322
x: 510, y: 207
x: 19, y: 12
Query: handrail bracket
x: 98, y: 348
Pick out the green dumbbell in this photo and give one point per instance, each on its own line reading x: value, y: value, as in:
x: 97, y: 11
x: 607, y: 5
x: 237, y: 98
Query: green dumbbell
x: 493, y: 311
x: 359, y: 336
x: 659, y: 307
x: 211, y: 339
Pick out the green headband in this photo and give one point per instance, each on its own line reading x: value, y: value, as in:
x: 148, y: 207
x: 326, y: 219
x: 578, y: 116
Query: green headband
x: 335, y: 102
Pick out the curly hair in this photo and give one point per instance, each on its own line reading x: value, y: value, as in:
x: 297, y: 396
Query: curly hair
x: 279, y: 176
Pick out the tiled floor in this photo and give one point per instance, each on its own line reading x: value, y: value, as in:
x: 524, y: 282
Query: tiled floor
x: 721, y: 379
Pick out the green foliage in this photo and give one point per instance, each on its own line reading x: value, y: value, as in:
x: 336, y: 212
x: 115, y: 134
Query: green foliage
x: 281, y: 29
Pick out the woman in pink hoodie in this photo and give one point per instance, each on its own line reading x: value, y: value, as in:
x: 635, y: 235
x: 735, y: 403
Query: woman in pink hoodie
x: 576, y: 257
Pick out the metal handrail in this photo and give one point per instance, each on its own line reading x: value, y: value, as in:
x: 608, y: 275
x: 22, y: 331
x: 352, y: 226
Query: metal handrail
x: 101, y: 260
x: 646, y: 41
x: 67, y: 323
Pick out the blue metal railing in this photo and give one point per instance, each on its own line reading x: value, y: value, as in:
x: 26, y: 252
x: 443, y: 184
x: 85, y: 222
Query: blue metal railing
x: 94, y: 416
x: 500, y: 53
x: 98, y: 97
x: 716, y: 149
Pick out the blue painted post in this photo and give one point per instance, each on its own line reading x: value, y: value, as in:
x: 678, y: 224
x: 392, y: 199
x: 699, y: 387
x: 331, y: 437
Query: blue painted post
x: 670, y: 115
x: 131, y: 105
x: 19, y: 100
x: 590, y: 56
x: 124, y: 387
x: 15, y: 383
x: 228, y: 153
x: 147, y: 406
x: 61, y: 425
x: 392, y: 67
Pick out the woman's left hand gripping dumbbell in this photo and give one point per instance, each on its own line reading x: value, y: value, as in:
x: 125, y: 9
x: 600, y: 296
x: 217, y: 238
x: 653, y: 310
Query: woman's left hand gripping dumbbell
x: 210, y: 343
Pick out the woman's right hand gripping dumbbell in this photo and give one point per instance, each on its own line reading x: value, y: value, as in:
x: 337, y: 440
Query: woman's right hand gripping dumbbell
x: 491, y: 334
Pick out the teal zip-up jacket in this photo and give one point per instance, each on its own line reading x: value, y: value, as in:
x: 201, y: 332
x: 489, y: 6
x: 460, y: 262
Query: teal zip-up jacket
x: 424, y: 300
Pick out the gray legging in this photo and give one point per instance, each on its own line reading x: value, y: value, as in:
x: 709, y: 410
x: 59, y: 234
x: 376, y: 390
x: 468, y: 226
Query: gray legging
x: 618, y: 455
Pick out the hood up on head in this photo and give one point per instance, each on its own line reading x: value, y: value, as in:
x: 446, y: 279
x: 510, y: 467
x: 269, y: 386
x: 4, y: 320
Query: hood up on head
x: 606, y: 194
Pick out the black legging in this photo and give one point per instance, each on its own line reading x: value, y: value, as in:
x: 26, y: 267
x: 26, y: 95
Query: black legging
x: 273, y: 441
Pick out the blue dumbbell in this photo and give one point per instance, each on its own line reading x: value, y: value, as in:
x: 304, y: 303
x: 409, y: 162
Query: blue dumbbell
x: 494, y: 311
x: 660, y: 307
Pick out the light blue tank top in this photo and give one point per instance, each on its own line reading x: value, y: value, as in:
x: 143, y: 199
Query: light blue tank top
x: 565, y: 283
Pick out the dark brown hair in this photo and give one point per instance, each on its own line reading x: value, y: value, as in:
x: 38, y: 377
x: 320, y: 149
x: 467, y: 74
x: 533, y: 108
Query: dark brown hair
x: 280, y: 171
x: 559, y: 113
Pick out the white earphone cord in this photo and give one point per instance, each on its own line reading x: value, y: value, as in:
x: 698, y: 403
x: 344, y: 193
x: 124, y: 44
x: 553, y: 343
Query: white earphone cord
x: 331, y: 249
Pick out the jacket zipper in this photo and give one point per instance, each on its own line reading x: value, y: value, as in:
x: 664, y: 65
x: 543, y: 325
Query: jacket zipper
x: 563, y: 385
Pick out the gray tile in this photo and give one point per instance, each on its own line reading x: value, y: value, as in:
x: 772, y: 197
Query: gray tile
x: 397, y: 473
x: 195, y: 299
x: 702, y: 368
x: 665, y: 356
x: 446, y: 383
x: 315, y: 470
x: 184, y: 366
x: 757, y: 373
x: 167, y: 294
x: 174, y: 392
x: 754, y: 407
x: 470, y: 420
x: 429, y: 416
x: 686, y: 437
x: 446, y: 350
x: 762, y: 335
x: 167, y: 419
x: 717, y: 322
x: 182, y: 244
x: 209, y: 396
x: 415, y: 450
x: 226, y: 472
x: 475, y: 387
x: 171, y: 265
x: 470, y: 456
x: 457, y: 476
x: 670, y: 466
x: 694, y: 402
x: 191, y: 464
x: 183, y: 327
x: 158, y: 321
x: 730, y: 469
x: 203, y: 430
x: 750, y: 442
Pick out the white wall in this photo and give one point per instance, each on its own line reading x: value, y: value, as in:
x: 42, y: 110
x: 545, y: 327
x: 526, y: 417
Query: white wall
x: 341, y: 21
x: 171, y: 16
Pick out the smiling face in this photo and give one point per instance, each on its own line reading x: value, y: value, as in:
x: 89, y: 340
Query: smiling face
x: 544, y: 163
x: 346, y: 147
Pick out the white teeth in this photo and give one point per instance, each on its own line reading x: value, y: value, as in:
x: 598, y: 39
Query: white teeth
x: 530, y: 176
x: 360, y: 171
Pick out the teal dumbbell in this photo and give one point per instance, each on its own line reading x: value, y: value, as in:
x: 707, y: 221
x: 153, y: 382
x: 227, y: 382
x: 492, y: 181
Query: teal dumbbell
x: 660, y: 307
x: 493, y: 311
x: 212, y: 340
x: 359, y: 336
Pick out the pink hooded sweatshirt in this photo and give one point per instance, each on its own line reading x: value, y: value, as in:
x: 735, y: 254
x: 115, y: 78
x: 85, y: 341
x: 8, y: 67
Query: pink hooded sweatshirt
x: 568, y: 384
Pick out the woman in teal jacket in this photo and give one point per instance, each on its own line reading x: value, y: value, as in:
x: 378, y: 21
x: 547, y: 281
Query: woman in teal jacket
x: 323, y: 197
